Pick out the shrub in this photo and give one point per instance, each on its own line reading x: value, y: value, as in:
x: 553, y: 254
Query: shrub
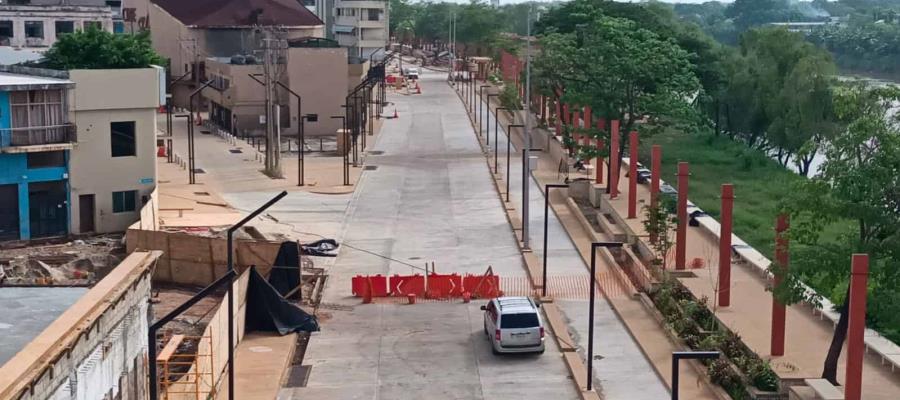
x: 509, y: 97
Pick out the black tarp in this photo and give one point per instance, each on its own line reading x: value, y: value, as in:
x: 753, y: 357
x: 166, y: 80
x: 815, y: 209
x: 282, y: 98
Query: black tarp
x: 285, y: 275
x: 268, y: 311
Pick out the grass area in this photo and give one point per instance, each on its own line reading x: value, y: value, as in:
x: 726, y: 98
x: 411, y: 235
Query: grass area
x: 759, y: 182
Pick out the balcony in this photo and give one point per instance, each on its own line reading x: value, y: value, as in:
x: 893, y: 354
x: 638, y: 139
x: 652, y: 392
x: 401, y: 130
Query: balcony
x: 38, y: 138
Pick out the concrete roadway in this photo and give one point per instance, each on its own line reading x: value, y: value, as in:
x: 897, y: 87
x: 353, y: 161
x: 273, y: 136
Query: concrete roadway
x: 430, y: 199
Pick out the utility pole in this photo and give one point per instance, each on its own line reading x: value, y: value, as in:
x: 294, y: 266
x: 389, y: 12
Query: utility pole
x: 526, y: 162
x: 273, y: 49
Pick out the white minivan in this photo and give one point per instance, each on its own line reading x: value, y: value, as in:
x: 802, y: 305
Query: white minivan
x: 514, y: 325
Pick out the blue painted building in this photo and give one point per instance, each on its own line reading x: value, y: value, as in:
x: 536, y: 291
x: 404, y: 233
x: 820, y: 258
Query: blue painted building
x: 35, y: 140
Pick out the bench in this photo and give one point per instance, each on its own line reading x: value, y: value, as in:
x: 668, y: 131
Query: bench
x: 824, y: 389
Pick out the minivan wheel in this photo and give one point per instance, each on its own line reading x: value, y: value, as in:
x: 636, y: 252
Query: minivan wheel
x: 494, y: 350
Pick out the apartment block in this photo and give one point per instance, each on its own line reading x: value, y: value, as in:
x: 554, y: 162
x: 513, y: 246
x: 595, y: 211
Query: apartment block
x: 362, y: 26
x: 38, y: 23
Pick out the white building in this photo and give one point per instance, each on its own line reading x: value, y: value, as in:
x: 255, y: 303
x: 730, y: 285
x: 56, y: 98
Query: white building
x: 362, y: 26
x: 40, y: 22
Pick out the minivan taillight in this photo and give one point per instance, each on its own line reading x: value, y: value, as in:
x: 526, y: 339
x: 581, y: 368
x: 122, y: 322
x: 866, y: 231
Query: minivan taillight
x: 497, y: 335
x: 542, y: 332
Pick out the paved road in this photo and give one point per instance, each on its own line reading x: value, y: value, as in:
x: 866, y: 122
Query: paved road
x: 430, y: 199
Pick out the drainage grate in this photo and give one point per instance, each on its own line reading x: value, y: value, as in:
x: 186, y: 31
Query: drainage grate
x: 235, y: 151
x: 370, y: 167
x: 298, y: 376
x: 205, y: 132
x: 376, y: 152
x: 199, y: 171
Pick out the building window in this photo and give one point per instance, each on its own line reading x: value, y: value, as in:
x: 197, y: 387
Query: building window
x: 124, y: 201
x: 122, y: 138
x: 63, y: 27
x: 34, y: 29
x: 6, y: 31
x: 46, y: 159
x: 93, y: 24
x: 374, y: 14
x: 32, y: 109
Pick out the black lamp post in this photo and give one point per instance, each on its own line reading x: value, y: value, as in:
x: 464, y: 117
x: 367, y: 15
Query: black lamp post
x: 546, y: 209
x: 593, y: 289
x: 496, y: 132
x: 687, y: 355
x: 508, y: 150
x: 487, y: 123
x: 345, y: 149
x: 169, y: 141
x: 301, y: 162
x: 481, y: 107
x: 192, y: 179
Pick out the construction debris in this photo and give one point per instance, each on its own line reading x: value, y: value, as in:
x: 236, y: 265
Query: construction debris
x: 80, y: 262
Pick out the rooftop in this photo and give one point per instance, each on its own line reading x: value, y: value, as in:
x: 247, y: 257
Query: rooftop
x: 239, y: 13
x: 11, y: 81
x: 27, y: 311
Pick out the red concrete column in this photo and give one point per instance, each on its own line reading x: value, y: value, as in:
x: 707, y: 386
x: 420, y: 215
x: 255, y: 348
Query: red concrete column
x: 778, y: 309
x: 565, y: 113
x: 725, y: 245
x: 681, y: 233
x: 558, y: 118
x: 655, y: 161
x: 632, y: 174
x: 614, y: 161
x: 587, y: 116
x: 856, y: 327
x: 601, y: 125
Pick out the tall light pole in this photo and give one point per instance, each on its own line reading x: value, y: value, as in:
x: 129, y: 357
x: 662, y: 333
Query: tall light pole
x: 546, y: 218
x: 508, y: 150
x: 593, y: 288
x: 526, y: 162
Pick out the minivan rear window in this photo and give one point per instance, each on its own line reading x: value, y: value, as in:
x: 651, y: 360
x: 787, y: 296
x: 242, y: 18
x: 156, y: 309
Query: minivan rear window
x: 514, y: 321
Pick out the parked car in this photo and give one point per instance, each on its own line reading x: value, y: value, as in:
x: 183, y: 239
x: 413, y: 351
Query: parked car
x: 514, y: 325
x: 411, y: 73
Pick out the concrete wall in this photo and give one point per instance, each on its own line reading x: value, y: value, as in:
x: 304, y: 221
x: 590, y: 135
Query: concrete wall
x: 96, y: 348
x: 320, y: 77
x: 196, y: 260
x: 245, y: 97
x: 49, y: 15
x: 101, y: 97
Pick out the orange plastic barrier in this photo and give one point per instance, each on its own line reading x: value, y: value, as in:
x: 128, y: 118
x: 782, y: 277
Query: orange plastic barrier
x: 402, y: 285
x: 482, y: 286
x: 374, y: 285
x: 444, y: 286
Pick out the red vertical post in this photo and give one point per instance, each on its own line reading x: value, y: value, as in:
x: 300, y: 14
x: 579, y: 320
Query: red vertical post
x: 681, y: 233
x: 565, y: 113
x: 725, y: 245
x: 655, y: 161
x: 576, y: 125
x: 586, y: 139
x: 856, y: 327
x: 614, y: 160
x: 558, y: 118
x: 587, y: 116
x: 632, y: 173
x: 601, y: 125
x: 778, y: 309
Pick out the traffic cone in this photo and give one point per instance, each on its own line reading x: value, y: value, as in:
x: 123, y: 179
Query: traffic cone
x: 418, y: 89
x: 395, y: 113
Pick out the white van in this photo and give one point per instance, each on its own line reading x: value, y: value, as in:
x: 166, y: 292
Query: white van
x: 514, y: 325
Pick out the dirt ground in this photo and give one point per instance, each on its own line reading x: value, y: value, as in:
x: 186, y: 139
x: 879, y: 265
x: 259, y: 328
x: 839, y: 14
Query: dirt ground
x: 69, y: 262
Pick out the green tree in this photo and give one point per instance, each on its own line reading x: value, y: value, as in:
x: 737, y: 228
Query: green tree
x: 858, y: 192
x: 401, y: 11
x: 477, y: 26
x: 98, y: 49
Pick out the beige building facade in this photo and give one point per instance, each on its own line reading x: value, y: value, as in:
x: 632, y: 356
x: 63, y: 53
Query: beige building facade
x: 113, y: 165
x: 320, y: 76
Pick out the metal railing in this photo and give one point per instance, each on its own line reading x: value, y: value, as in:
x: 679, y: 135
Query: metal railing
x: 38, y: 135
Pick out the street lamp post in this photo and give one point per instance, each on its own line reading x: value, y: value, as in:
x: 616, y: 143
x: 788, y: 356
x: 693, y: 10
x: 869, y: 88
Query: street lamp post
x: 687, y: 355
x: 508, y: 150
x: 301, y: 162
x: 344, y: 150
x: 487, y: 123
x: 546, y: 212
x: 496, y: 132
x: 192, y: 179
x: 481, y: 107
x: 593, y: 289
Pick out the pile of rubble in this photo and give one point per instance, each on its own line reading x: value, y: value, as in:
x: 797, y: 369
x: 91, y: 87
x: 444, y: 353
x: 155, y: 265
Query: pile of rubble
x: 80, y: 262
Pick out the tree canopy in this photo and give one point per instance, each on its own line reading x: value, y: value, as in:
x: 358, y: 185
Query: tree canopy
x: 97, y: 49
